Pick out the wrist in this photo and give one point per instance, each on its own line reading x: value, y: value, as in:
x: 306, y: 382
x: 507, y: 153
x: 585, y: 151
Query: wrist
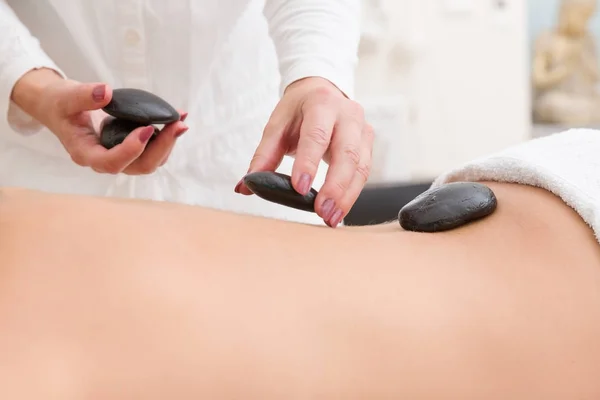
x: 28, y: 91
x: 312, y: 82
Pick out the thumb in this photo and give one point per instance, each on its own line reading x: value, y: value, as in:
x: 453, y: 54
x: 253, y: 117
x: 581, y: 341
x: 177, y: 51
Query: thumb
x: 84, y: 97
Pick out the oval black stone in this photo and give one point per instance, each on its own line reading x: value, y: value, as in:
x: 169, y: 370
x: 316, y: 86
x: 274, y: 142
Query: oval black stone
x: 140, y: 106
x: 116, y: 130
x: 277, y: 188
x: 447, y: 207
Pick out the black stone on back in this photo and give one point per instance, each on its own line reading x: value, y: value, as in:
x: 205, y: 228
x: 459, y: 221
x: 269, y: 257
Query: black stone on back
x: 277, y: 188
x: 133, y: 108
x: 447, y: 207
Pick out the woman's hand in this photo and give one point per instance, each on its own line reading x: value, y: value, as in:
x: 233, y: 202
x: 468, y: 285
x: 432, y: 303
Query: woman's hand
x: 314, y: 121
x: 73, y: 112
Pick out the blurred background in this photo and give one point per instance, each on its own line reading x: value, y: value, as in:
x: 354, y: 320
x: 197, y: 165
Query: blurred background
x: 446, y: 81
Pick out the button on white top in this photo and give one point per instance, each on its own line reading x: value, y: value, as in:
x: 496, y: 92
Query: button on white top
x: 132, y: 37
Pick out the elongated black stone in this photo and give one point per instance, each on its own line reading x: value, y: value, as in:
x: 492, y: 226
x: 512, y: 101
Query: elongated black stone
x: 116, y: 130
x: 140, y: 106
x: 277, y: 188
x: 447, y: 207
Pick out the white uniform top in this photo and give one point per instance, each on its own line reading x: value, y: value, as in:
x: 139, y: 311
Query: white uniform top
x: 224, y: 61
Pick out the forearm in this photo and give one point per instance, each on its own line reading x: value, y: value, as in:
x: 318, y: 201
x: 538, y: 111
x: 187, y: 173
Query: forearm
x: 20, y: 53
x: 316, y: 38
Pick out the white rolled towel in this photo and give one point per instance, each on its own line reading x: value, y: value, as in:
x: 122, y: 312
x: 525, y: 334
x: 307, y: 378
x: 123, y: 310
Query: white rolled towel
x: 566, y: 164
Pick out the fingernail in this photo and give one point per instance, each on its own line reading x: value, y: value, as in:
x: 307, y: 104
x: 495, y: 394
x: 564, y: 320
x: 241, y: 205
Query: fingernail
x: 146, y: 134
x: 335, y: 218
x: 99, y: 92
x: 239, y: 184
x: 327, y: 209
x: 304, y: 184
x: 183, y: 117
x: 181, y: 132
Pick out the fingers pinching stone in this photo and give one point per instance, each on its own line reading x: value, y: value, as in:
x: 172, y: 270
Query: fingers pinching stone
x: 277, y: 188
x: 116, y: 130
x: 140, y: 106
x: 133, y: 108
x: 447, y: 207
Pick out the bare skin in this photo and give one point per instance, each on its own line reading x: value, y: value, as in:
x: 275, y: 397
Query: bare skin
x: 122, y: 299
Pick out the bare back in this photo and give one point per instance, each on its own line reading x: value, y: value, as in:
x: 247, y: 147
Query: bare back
x: 104, y: 298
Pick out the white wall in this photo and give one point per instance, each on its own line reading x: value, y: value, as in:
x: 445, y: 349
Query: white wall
x: 461, y: 66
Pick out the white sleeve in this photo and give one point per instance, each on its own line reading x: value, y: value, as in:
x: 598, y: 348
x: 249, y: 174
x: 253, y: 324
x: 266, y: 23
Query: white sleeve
x: 566, y: 164
x: 20, y: 53
x: 316, y: 38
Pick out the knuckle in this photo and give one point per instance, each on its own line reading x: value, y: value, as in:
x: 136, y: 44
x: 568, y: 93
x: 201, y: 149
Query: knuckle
x: 323, y: 93
x: 355, y: 111
x: 339, y: 188
x: 319, y: 97
x: 308, y: 164
x: 318, y: 135
x: 364, y: 170
x: 352, y: 154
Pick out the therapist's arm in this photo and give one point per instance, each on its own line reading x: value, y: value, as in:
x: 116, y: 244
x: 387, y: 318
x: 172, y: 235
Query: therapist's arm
x: 316, y: 119
x: 21, y: 55
x: 316, y: 38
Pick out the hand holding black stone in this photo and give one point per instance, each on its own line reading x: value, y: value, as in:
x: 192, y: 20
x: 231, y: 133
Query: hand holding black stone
x: 277, y: 188
x: 115, y: 130
x: 447, y: 207
x: 131, y: 109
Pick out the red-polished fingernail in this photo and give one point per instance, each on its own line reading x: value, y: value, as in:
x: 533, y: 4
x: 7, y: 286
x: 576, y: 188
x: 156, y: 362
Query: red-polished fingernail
x: 327, y: 209
x: 181, y: 132
x: 146, y: 134
x: 183, y: 117
x: 238, y: 186
x: 336, y: 218
x: 99, y: 92
x: 304, y: 184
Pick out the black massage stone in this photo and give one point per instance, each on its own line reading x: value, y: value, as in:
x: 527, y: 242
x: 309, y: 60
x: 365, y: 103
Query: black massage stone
x: 140, y: 106
x: 447, y: 207
x: 277, y: 188
x: 132, y: 108
x: 116, y: 130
